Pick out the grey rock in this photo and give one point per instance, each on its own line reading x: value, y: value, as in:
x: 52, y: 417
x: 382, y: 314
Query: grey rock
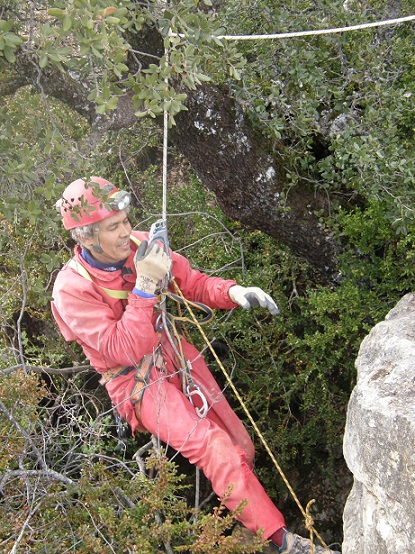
x: 379, y: 441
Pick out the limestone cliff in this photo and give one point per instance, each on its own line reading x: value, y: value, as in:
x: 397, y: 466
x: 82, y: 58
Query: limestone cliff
x: 379, y: 442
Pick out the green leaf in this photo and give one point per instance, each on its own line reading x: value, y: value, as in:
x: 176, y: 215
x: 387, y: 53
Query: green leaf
x: 84, y: 49
x: 5, y: 25
x: 140, y: 115
x: 101, y: 109
x: 12, y: 40
x: 67, y: 23
x: 96, y: 52
x: 122, y: 67
x: 112, y: 20
x: 9, y: 55
x: 56, y: 12
x: 203, y: 78
x: 45, y: 258
x: 112, y: 103
x: 43, y: 61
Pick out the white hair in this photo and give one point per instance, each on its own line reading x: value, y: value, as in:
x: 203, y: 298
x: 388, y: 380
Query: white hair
x: 85, y: 232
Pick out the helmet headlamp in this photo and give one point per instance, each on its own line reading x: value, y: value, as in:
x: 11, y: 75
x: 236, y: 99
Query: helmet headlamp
x: 120, y: 201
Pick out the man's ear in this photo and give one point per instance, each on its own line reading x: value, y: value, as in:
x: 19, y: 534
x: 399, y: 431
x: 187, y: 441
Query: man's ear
x: 87, y: 243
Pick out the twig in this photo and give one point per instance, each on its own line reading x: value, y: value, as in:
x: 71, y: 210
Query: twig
x: 25, y: 435
x: 23, y: 529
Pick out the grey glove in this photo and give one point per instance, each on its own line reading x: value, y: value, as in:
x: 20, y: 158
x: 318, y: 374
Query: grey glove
x: 151, y: 265
x: 251, y: 297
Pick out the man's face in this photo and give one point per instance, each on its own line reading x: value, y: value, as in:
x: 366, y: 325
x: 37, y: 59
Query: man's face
x: 113, y: 237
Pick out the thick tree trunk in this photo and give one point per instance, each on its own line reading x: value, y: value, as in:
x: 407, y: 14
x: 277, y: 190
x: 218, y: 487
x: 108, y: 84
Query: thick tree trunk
x: 247, y: 177
x: 233, y: 161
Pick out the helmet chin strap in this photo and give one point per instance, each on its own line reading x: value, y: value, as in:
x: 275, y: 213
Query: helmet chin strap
x: 96, y: 248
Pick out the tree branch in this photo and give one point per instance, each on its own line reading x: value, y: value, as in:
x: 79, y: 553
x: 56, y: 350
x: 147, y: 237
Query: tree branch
x: 48, y: 473
x: 48, y: 370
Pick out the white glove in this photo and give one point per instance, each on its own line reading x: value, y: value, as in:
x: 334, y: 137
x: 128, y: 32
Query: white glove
x: 151, y: 266
x: 251, y: 297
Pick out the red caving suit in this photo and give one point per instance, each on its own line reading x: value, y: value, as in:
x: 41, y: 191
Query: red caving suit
x: 115, y: 332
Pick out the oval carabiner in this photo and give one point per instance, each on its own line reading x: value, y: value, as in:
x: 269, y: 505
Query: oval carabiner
x: 195, y: 391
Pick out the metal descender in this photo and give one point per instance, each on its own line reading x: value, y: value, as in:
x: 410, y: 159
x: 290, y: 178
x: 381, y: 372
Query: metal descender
x: 158, y: 232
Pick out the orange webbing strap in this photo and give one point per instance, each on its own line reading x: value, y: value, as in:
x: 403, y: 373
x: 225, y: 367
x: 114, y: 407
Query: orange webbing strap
x: 142, y: 373
x: 116, y: 371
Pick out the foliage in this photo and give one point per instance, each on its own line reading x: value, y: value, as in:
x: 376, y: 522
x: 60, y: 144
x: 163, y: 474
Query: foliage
x: 96, y: 42
x: 342, y: 104
x: 20, y: 396
x: 63, y: 481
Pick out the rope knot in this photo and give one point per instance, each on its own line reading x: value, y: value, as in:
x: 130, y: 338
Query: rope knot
x: 309, y: 521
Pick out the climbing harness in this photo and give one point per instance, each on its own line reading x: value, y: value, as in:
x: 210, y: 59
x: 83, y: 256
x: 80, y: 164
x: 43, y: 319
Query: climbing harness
x: 166, y: 321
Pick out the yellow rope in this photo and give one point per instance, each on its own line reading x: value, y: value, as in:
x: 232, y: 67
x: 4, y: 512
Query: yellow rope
x: 309, y: 522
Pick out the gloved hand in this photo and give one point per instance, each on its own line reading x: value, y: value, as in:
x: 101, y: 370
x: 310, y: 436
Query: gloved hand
x: 151, y: 266
x: 251, y: 297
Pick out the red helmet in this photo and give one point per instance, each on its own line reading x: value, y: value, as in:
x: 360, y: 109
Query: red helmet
x: 84, y: 203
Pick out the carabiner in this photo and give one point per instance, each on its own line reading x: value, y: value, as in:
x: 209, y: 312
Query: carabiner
x: 194, y: 390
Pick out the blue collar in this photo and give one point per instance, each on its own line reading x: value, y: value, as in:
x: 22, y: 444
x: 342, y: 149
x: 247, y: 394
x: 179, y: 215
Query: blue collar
x: 89, y: 258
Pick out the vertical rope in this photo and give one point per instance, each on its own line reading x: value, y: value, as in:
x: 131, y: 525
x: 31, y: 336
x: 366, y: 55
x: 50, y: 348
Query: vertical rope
x: 165, y: 143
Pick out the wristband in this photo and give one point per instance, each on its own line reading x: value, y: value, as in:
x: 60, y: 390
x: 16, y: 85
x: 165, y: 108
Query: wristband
x: 142, y: 293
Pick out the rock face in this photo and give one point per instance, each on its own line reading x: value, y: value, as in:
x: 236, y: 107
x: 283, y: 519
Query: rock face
x: 379, y: 442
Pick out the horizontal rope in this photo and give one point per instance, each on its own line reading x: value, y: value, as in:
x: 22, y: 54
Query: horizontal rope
x: 311, y: 33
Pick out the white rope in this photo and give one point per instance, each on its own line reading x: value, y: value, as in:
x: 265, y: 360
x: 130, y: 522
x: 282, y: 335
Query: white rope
x: 333, y: 30
x: 310, y: 33
x: 165, y: 149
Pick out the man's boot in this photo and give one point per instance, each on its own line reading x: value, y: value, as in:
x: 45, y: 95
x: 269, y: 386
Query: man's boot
x: 293, y: 544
